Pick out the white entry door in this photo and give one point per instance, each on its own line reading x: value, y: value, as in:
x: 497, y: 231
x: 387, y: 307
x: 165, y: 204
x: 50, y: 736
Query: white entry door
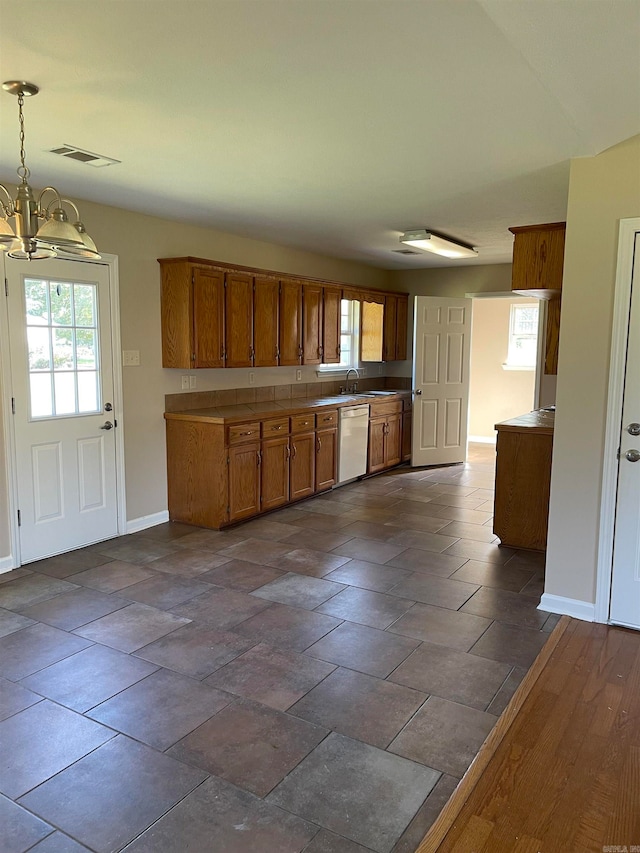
x: 442, y: 338
x: 62, y: 389
x: 625, y: 586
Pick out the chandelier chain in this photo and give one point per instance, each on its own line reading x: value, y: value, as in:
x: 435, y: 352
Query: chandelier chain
x: 22, y: 170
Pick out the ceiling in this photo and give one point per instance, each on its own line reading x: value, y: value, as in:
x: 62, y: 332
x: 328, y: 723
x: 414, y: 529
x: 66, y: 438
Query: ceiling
x: 328, y: 125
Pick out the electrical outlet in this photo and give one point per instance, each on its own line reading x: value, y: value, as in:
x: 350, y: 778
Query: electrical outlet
x: 192, y: 382
x: 252, y: 377
x: 298, y: 375
x: 184, y: 383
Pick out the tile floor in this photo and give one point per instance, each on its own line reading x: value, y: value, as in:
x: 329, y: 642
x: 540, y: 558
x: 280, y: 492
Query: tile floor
x: 316, y: 680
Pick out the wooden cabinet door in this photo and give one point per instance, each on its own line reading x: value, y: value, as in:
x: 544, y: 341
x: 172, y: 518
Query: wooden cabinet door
x: 290, y: 322
x: 244, y: 480
x: 371, y: 331
x: 312, y: 323
x: 377, y: 433
x: 239, y: 320
x: 302, y: 465
x: 326, y: 458
x: 266, y: 309
x: 274, y: 473
x: 538, y: 259
x: 208, y: 318
x: 390, y: 329
x: 393, y: 440
x: 331, y: 326
x: 402, y: 314
x: 407, y: 424
x: 552, y: 336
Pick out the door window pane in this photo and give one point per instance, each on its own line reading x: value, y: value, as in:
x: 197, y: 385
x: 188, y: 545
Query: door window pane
x: 63, y: 352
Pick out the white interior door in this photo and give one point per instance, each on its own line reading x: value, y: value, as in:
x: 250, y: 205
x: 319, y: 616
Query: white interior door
x: 442, y: 338
x: 625, y: 585
x: 62, y: 389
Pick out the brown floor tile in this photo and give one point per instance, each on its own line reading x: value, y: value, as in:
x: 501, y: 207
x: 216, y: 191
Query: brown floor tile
x: 336, y: 785
x: 322, y: 521
x: 366, y: 607
x: 14, y: 575
x: 238, y: 574
x: 534, y: 588
x: 85, y: 679
x: 369, y: 550
x: 213, y: 813
x: 110, y: 796
x: 316, y: 506
x: 161, y: 709
x: 452, y: 674
x: 249, y: 745
x: 417, y: 560
x: 131, y: 628
x: 368, y: 575
x: 369, y: 530
x: 188, y: 563
x: 112, y: 577
x: 505, y: 694
x: 369, y: 501
x: 274, y: 677
x: 298, y: 591
x: 455, y: 513
x: 462, y: 530
x: 363, y: 649
x: 421, y: 523
x: 57, y: 842
x: 507, y: 643
x: 328, y: 842
x: 426, y: 815
x: 441, y: 626
x: 551, y: 622
x: 483, y: 551
x: 169, y: 531
x: 136, y: 550
x: 195, y: 650
x: 270, y: 528
x: 436, y: 542
x: 10, y: 622
x: 257, y: 551
x: 359, y: 706
x: 316, y: 540
x: 44, y: 738
x: 220, y: 608
x: 65, y: 565
x: 35, y: 647
x: 164, y: 591
x: 20, y: 830
x: 533, y: 560
x: 444, y: 735
x: 430, y: 589
x: 14, y: 698
x: 306, y: 561
x: 287, y: 627
x: 509, y: 607
x: 31, y: 589
x: 492, y: 575
x: 72, y: 609
x: 456, y: 500
x: 210, y: 540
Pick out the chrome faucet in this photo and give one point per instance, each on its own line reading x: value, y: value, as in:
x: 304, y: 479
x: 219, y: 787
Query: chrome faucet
x: 351, y: 388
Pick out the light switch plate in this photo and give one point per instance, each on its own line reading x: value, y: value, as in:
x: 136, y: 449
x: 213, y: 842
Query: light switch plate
x: 192, y: 382
x: 184, y: 382
x: 130, y: 357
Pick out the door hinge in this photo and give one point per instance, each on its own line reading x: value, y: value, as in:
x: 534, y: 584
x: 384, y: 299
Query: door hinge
x: 13, y: 405
x: 6, y: 287
x: 115, y: 422
x: 19, y: 519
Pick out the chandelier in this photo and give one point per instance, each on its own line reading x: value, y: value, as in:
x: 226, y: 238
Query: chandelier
x: 29, y: 239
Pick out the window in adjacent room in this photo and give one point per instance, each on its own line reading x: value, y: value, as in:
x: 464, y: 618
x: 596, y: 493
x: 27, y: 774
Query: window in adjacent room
x: 523, y: 338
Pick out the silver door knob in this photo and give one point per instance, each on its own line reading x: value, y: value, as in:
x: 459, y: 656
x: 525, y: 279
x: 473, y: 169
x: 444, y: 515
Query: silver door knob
x: 418, y: 391
x: 633, y: 429
x: 632, y: 455
x: 109, y: 425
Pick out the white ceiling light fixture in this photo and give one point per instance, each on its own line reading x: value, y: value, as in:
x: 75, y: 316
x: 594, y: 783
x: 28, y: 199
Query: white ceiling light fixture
x: 422, y: 239
x: 28, y: 239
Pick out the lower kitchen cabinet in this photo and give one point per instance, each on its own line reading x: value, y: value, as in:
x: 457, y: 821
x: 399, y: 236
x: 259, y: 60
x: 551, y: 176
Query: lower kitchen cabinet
x: 407, y: 428
x: 385, y: 436
x: 326, y: 459
x: 274, y: 478
x: 302, y: 466
x: 244, y: 480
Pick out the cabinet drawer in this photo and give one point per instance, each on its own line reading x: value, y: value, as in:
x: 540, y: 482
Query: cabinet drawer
x: 303, y: 423
x: 240, y: 433
x: 275, y: 427
x: 381, y: 409
x: 325, y: 420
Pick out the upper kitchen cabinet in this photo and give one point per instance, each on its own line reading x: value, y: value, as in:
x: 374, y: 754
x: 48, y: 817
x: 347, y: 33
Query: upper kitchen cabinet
x: 290, y: 347
x: 266, y: 313
x: 538, y: 258
x: 192, y: 311
x: 239, y: 319
x: 332, y: 297
x: 312, y: 323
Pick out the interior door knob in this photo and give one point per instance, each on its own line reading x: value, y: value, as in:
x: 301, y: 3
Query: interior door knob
x: 109, y: 425
x: 418, y: 391
x: 632, y: 455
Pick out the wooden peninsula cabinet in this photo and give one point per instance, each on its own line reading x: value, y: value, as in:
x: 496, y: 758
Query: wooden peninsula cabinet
x: 523, y: 478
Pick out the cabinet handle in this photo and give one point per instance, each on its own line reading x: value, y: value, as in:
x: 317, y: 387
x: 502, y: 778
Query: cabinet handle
x: 288, y: 452
x: 259, y: 458
x: 318, y: 447
x: 247, y: 433
x: 277, y: 427
x: 328, y: 418
x: 277, y: 352
x: 293, y: 451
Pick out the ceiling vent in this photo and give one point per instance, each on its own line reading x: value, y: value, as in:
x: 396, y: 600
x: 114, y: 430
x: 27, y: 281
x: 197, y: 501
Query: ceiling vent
x: 405, y: 252
x: 88, y: 157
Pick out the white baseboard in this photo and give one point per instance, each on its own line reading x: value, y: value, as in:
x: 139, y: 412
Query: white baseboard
x: 482, y: 439
x: 7, y: 564
x: 145, y: 521
x: 584, y: 610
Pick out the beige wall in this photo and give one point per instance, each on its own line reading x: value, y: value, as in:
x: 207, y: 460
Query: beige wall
x: 495, y: 394
x: 602, y: 190
x: 138, y: 241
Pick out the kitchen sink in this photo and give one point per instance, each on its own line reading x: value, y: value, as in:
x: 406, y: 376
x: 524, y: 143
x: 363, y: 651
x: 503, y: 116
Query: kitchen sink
x: 374, y: 393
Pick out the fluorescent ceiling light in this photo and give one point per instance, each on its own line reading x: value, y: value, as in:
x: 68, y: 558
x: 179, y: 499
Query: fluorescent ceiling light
x: 439, y: 245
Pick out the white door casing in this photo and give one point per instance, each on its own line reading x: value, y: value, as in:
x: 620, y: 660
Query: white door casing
x: 625, y: 577
x: 441, y: 361
x: 68, y: 482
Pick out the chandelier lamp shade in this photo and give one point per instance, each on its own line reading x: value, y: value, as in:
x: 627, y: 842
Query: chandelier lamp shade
x: 41, y: 228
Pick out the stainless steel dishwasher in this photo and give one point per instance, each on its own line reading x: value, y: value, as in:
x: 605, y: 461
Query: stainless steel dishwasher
x: 353, y: 438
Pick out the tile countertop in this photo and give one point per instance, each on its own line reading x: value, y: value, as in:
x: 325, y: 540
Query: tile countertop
x: 538, y: 421
x: 242, y: 412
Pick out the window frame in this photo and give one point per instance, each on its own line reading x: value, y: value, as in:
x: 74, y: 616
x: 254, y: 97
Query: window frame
x: 353, y: 334
x: 511, y: 363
